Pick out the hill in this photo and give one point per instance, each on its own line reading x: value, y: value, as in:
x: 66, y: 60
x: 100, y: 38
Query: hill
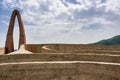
x: 112, y: 41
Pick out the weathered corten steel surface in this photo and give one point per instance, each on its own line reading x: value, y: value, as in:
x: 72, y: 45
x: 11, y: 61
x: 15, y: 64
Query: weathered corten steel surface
x: 9, y: 39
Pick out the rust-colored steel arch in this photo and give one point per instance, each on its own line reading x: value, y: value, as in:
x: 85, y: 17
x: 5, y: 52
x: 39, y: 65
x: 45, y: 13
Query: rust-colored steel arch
x: 9, y: 39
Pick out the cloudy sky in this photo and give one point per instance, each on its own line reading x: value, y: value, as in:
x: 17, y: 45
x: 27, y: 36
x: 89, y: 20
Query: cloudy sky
x: 62, y: 21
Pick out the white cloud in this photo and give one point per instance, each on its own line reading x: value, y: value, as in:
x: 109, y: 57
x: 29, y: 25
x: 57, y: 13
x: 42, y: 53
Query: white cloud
x: 65, y: 21
x: 113, y: 5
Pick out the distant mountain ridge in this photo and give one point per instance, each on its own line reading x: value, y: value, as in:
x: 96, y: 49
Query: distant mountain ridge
x: 112, y: 41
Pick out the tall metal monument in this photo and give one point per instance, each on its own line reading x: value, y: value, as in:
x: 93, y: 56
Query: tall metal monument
x: 9, y: 45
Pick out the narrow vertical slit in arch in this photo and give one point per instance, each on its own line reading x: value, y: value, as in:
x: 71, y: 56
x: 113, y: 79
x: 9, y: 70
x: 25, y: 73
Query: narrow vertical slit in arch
x: 16, y: 35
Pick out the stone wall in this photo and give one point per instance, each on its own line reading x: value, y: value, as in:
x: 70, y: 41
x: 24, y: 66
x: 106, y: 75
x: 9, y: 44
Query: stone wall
x: 60, y: 71
x: 58, y: 57
x: 72, y: 48
x: 2, y: 51
x: 62, y: 62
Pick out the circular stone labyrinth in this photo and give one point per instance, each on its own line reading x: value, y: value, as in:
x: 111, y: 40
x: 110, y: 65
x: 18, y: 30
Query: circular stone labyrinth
x: 60, y: 66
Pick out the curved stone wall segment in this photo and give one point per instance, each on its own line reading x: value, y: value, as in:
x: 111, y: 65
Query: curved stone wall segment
x: 9, y: 39
x: 72, y: 48
x: 65, y: 70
